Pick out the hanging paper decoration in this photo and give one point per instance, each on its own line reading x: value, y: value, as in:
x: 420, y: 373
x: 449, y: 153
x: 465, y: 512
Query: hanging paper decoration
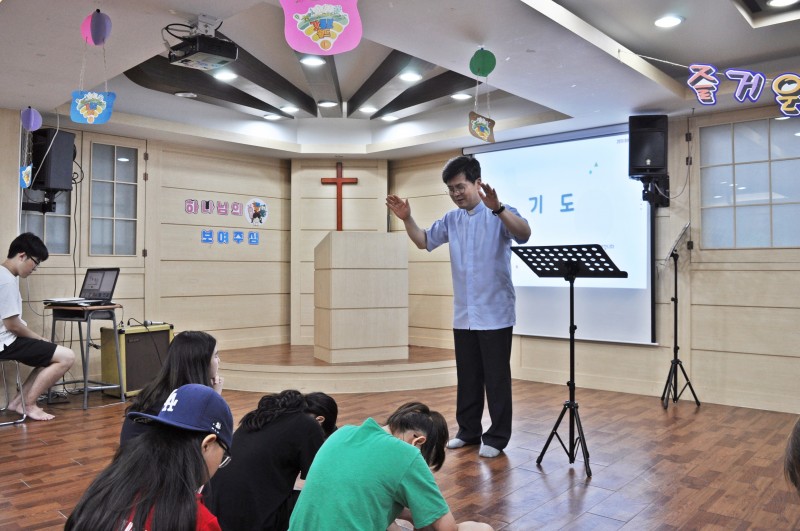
x: 31, y: 119
x: 482, y: 64
x: 323, y: 29
x: 88, y: 106
x: 91, y: 107
x: 25, y: 176
x: 481, y: 127
x: 96, y: 28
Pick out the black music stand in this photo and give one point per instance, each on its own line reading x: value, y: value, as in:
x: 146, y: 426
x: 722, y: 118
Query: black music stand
x: 671, y: 387
x: 570, y: 262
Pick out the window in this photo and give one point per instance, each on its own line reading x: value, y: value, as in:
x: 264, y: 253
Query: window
x: 750, y: 184
x: 114, y: 197
x: 53, y: 227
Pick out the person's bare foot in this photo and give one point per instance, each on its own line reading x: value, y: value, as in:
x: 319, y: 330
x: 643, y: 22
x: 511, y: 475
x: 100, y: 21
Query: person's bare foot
x: 15, y: 405
x: 34, y: 412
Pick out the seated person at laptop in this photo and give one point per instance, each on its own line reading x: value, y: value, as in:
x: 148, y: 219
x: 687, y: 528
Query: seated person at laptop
x: 17, y: 341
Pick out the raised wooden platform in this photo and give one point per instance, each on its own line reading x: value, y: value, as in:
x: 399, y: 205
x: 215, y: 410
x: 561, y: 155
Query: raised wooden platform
x: 278, y: 367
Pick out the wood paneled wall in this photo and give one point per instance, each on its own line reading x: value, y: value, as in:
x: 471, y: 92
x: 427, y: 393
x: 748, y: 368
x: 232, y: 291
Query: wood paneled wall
x: 745, y: 311
x: 314, y: 215
x: 9, y: 186
x: 430, y: 286
x: 236, y: 291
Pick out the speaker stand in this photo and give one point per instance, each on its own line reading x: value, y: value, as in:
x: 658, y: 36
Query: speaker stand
x: 672, y: 377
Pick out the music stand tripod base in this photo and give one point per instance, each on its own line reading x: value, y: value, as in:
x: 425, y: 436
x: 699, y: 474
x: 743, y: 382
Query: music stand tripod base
x: 570, y: 262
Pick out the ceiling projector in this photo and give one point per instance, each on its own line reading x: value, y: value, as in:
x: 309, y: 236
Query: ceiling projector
x: 203, y: 52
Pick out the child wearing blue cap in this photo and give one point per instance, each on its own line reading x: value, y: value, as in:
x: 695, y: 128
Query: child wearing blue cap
x: 145, y: 486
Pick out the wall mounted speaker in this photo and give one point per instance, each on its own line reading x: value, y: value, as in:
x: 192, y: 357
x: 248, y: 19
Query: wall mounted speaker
x: 647, y: 144
x: 142, y: 351
x: 51, y: 159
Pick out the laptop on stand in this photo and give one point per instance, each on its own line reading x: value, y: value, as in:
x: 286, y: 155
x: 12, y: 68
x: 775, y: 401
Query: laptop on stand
x: 97, y: 289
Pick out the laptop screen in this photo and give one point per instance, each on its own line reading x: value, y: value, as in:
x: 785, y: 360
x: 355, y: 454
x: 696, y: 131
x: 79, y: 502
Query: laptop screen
x: 100, y: 283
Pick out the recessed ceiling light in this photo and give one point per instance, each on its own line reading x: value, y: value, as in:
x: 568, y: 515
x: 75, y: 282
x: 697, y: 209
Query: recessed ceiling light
x: 312, y: 60
x: 327, y: 104
x: 291, y: 109
x: 410, y: 77
x: 272, y: 117
x: 782, y: 118
x: 225, y: 75
x: 669, y: 21
x: 369, y: 109
x: 389, y: 118
x: 186, y: 94
x: 797, y: 134
x: 460, y: 96
x: 781, y: 3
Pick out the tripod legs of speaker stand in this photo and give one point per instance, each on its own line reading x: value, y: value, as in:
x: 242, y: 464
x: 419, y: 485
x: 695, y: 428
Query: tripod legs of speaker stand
x: 572, y: 451
x: 672, y: 384
x: 672, y: 377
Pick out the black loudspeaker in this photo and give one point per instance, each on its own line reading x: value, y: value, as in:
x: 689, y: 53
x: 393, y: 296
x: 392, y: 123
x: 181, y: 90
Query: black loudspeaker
x: 142, y: 351
x: 53, y: 171
x: 647, y: 145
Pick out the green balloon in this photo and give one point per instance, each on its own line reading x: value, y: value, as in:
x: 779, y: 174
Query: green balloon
x: 482, y: 63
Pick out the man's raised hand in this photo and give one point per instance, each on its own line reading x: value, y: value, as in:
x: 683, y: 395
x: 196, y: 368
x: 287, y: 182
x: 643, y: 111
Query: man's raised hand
x: 489, y: 196
x: 400, y: 207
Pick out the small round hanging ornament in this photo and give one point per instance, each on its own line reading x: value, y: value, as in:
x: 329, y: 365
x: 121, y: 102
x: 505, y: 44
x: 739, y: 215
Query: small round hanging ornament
x: 31, y: 119
x: 96, y: 28
x: 482, y: 63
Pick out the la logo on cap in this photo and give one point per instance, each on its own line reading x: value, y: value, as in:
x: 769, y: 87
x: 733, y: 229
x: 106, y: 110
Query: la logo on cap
x: 171, y: 402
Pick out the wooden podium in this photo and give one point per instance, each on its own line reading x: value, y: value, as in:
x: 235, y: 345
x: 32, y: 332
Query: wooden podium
x: 361, y: 297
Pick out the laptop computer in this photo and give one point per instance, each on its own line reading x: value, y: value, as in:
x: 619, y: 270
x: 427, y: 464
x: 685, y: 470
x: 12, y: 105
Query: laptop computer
x: 97, y: 289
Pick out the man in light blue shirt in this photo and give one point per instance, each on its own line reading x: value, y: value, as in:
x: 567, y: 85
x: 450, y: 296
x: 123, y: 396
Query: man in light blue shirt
x: 479, y: 232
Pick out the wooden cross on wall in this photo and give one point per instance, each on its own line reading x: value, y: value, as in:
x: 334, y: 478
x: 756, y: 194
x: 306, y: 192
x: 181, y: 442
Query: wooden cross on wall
x: 339, y: 181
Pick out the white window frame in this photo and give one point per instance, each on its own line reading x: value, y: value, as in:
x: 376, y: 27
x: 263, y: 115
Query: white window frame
x: 700, y: 254
x: 87, y: 258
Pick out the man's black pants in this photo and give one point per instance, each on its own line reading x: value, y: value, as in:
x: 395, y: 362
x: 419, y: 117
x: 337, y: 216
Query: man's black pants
x: 483, y: 365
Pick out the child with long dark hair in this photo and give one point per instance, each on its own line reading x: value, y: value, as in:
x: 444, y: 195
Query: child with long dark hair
x: 275, y: 443
x: 364, y: 476
x: 791, y: 459
x: 192, y: 358
x: 153, y: 483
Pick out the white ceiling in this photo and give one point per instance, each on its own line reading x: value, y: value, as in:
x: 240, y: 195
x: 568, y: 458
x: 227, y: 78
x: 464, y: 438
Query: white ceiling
x: 561, y: 66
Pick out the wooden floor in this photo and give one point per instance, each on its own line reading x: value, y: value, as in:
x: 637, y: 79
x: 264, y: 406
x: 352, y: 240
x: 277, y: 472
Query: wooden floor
x: 712, y: 467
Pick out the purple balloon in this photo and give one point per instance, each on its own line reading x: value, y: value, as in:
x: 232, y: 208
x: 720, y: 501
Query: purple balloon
x: 31, y: 119
x: 96, y: 28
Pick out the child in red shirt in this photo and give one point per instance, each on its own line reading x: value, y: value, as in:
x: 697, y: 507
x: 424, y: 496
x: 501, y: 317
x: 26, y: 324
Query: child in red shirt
x: 145, y: 486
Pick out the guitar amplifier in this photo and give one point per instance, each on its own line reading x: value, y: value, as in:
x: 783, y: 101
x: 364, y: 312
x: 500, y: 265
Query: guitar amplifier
x: 142, y: 351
